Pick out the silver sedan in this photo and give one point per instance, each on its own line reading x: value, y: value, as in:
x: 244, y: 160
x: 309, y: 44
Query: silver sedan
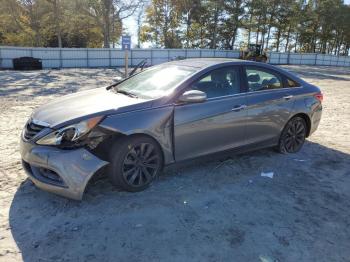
x: 165, y: 114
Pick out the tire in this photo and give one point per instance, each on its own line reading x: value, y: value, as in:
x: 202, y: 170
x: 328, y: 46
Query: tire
x: 293, y: 136
x: 134, y: 163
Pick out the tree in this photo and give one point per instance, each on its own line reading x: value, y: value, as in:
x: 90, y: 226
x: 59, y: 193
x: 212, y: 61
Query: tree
x: 190, y: 11
x: 215, y: 18
x: 235, y: 13
x: 109, y: 15
x: 140, y: 16
x: 27, y: 16
x: 196, y: 34
x: 162, y: 24
x: 280, y: 25
x: 33, y: 23
x: 80, y: 29
x: 57, y: 19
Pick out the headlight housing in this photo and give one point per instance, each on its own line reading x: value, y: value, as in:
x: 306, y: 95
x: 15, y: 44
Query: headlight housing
x: 71, y: 133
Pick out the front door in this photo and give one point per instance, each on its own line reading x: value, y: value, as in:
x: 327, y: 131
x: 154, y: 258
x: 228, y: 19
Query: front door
x: 213, y: 125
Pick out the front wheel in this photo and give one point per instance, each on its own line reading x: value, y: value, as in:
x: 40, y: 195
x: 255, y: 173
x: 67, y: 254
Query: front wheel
x: 135, y: 163
x: 293, y: 136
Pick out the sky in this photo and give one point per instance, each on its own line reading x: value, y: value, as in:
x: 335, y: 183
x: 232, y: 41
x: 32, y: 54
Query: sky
x: 130, y: 27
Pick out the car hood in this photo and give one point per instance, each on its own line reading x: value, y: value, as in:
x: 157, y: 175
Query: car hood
x: 86, y: 103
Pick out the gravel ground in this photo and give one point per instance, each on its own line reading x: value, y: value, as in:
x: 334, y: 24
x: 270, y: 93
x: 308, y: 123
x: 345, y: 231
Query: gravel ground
x: 217, y: 209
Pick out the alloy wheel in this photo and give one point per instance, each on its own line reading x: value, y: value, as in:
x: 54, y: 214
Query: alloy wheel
x: 295, y: 136
x: 140, y: 165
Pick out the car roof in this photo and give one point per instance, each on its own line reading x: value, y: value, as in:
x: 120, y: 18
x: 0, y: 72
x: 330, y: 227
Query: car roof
x: 201, y: 63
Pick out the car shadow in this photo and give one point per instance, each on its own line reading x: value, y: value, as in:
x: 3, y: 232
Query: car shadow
x: 215, y: 208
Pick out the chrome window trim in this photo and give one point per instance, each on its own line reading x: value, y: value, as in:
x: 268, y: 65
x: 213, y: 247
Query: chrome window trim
x: 274, y: 90
x: 252, y: 92
x: 223, y: 97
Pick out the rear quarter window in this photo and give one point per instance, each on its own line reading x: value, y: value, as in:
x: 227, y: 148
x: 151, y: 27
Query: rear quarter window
x: 292, y: 83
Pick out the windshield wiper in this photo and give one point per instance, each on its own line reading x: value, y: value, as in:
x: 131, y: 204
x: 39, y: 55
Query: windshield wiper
x: 124, y: 92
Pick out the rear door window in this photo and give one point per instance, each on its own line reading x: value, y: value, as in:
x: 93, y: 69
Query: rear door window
x: 260, y: 79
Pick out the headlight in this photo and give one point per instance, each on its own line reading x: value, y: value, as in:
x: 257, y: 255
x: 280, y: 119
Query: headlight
x: 69, y: 133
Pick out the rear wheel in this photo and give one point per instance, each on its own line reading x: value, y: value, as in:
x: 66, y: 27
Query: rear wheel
x: 135, y: 163
x: 293, y: 136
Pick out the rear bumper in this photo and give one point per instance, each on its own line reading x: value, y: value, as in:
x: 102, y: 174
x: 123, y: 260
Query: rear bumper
x: 63, y: 172
x: 315, y: 118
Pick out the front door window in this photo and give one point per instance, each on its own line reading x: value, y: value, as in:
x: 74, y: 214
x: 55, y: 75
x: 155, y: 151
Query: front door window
x: 219, y: 82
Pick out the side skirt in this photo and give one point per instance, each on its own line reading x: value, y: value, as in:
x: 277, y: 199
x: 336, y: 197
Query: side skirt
x: 229, y: 152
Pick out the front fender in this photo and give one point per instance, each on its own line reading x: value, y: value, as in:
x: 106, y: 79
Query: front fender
x: 154, y: 122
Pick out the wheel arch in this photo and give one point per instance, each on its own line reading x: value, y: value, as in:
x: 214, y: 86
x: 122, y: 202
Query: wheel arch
x: 114, y: 137
x: 103, y: 149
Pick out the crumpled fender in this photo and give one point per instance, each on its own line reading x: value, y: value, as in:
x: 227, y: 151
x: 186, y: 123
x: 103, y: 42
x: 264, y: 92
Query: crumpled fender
x: 154, y: 122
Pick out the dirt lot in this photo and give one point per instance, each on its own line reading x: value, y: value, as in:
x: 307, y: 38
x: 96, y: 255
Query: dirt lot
x: 217, y: 210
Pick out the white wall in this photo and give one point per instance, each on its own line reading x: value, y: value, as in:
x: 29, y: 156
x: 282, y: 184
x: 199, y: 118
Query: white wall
x: 101, y: 57
x: 308, y: 59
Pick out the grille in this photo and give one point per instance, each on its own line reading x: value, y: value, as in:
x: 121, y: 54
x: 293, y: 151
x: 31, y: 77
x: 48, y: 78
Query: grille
x: 31, y: 130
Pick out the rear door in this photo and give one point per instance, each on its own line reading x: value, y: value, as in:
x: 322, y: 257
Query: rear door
x: 269, y: 104
x: 216, y: 124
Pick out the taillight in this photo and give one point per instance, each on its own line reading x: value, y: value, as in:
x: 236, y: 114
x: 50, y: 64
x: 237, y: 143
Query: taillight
x: 319, y: 97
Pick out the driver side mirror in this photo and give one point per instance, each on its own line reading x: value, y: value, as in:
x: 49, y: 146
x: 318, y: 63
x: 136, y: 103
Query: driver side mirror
x: 193, y: 96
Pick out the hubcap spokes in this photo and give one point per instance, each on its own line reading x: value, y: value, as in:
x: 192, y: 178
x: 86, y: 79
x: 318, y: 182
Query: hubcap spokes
x: 140, y: 164
x: 295, y: 136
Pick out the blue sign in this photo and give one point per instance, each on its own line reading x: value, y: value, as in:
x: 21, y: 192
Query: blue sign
x: 126, y: 42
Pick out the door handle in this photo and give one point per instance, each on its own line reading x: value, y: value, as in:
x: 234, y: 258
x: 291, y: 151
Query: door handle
x: 288, y: 97
x: 238, y: 108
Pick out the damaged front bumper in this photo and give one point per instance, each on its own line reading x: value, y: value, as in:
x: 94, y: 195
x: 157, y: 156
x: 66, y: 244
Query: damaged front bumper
x: 63, y: 172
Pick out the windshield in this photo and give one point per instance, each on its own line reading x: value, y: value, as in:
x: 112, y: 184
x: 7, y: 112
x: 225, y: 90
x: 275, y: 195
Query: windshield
x: 155, y: 82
